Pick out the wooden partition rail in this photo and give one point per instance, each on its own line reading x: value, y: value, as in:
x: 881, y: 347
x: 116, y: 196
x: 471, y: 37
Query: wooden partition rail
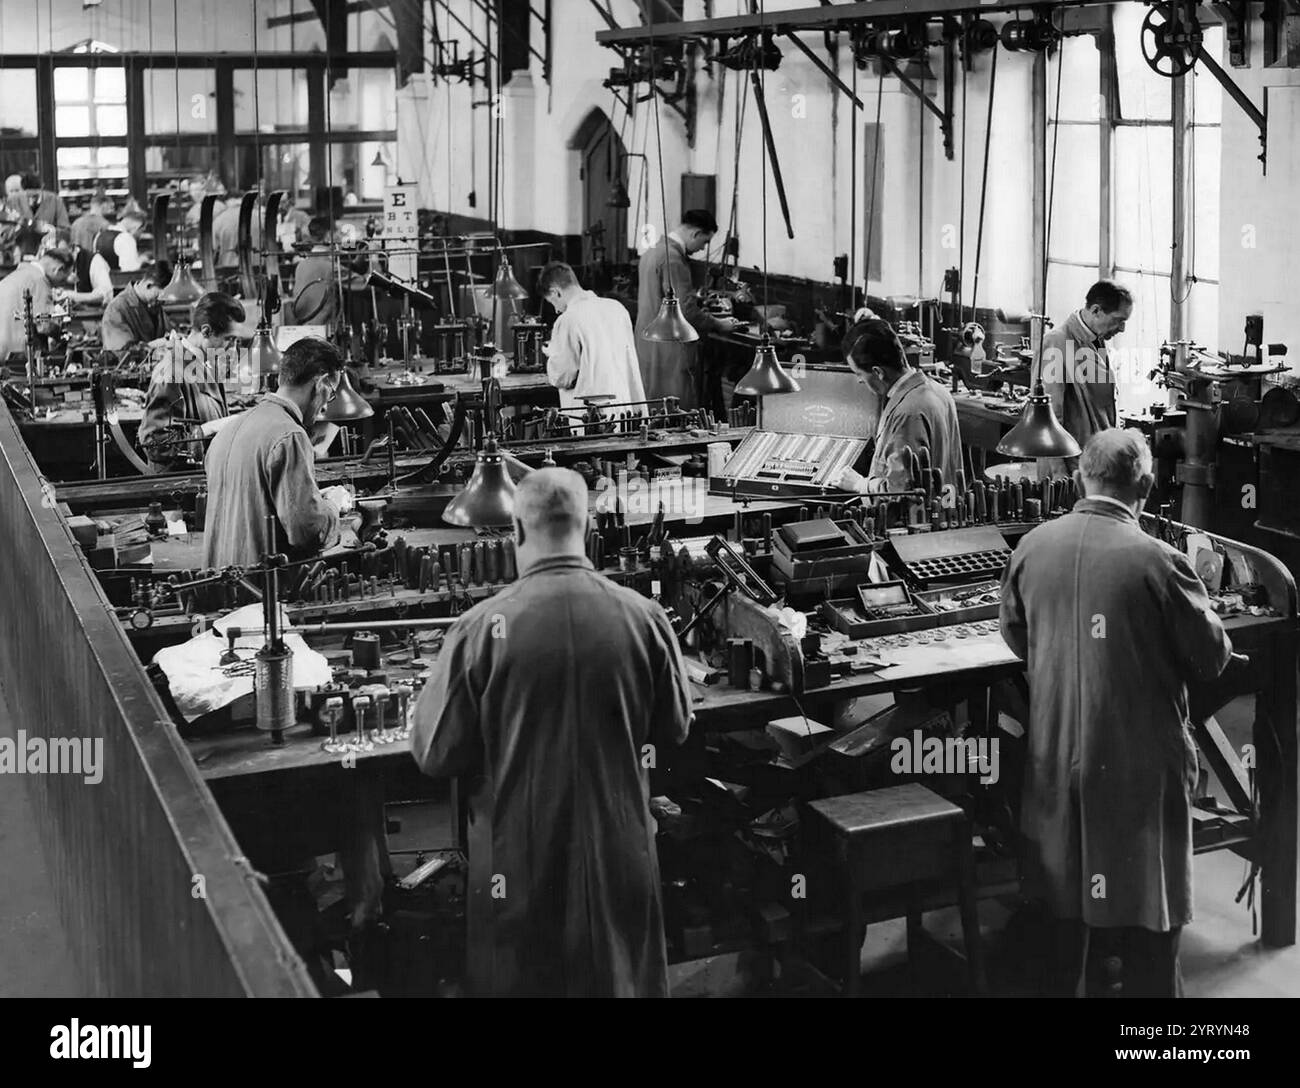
x: 150, y: 882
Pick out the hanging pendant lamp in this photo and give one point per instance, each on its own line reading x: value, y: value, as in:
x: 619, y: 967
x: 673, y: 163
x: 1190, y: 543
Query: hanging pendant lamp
x: 618, y: 195
x: 488, y: 500
x: 670, y: 326
x: 766, y: 377
x: 263, y: 356
x: 506, y: 286
x: 1038, y: 433
x: 348, y: 405
x: 182, y: 287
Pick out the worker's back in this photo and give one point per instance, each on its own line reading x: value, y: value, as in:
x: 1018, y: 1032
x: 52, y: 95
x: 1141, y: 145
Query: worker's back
x: 1112, y: 623
x: 566, y: 686
x: 261, y: 463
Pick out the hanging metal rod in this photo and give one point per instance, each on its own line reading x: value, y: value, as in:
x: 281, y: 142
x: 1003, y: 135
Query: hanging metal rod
x: 757, y: 85
x: 827, y: 71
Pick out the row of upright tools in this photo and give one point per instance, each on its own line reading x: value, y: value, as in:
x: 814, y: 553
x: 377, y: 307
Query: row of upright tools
x: 934, y: 509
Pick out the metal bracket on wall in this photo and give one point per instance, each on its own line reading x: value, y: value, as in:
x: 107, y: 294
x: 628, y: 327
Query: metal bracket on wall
x: 944, y: 115
x: 1257, y: 115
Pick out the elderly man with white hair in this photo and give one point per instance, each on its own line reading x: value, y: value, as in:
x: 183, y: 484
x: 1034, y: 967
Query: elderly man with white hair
x: 551, y: 701
x: 1113, y: 625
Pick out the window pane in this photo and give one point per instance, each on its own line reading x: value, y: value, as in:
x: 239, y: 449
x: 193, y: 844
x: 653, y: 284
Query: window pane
x: 280, y: 101
x: 72, y: 158
x: 71, y: 84
x: 1136, y: 351
x: 1207, y: 93
x: 114, y: 157
x: 18, y: 95
x: 1142, y: 93
x: 364, y: 101
x: 1204, y: 202
x: 354, y: 174
x: 110, y: 85
x: 1080, y: 81
x: 194, y: 89
x: 72, y: 120
x: 281, y: 166
x: 1066, y: 288
x: 110, y: 120
x: 168, y: 163
x: 1076, y: 196
x: 1143, y: 198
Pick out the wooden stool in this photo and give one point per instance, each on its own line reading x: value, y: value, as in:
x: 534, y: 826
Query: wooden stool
x: 899, y: 838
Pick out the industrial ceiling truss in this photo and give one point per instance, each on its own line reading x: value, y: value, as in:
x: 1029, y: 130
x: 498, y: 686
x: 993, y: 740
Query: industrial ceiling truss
x: 896, y: 36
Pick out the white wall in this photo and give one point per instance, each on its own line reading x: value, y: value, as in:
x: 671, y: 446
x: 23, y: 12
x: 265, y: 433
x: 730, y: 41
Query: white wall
x: 1259, y: 233
x: 813, y: 138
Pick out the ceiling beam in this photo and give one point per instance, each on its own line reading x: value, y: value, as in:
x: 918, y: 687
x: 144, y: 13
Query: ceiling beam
x: 830, y: 17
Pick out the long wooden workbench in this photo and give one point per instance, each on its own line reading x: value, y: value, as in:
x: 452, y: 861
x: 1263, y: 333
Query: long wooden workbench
x: 165, y: 825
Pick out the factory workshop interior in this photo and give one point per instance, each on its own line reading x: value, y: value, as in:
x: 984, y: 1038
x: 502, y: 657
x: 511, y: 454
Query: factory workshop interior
x: 649, y: 498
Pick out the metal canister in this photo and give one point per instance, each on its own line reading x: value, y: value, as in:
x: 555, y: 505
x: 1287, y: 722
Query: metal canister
x: 365, y: 650
x: 273, y: 691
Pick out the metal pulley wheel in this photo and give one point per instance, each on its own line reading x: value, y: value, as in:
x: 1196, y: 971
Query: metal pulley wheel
x: 972, y: 333
x: 1171, y: 40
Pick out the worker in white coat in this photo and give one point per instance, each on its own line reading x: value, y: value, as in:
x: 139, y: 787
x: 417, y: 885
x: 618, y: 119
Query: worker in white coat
x: 592, y: 351
x: 1113, y: 624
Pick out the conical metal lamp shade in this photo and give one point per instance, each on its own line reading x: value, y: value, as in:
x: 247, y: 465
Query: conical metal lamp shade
x: 670, y: 327
x: 182, y: 287
x: 765, y: 376
x: 348, y: 405
x: 506, y: 286
x: 263, y: 356
x: 618, y: 196
x: 1039, y: 433
x: 488, y: 500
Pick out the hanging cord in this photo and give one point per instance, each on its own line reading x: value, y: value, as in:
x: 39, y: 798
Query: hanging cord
x: 498, y: 164
x: 1188, y: 241
x: 920, y: 196
x: 742, y: 103
x: 853, y: 193
x: 1051, y: 200
x: 961, y: 228
x: 762, y: 80
x: 984, y: 188
x: 659, y: 144
x: 257, y: 122
x: 875, y: 180
x: 176, y: 71
x: 450, y: 158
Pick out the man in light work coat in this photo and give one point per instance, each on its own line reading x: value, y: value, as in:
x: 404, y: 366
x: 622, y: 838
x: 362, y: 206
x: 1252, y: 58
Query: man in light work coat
x: 669, y: 369
x: 1112, y: 625
x: 592, y: 349
x: 1076, y: 369
x: 552, y: 699
x: 917, y: 414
